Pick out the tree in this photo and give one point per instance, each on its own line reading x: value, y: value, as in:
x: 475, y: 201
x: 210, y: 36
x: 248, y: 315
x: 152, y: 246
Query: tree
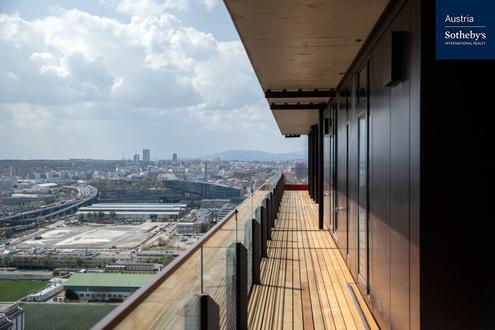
x: 79, y: 261
x: 80, y: 217
x: 167, y: 259
x: 48, y: 262
x: 40, y: 221
x: 101, y: 215
x: 206, y: 225
x: 56, y: 272
x: 112, y: 215
x: 6, y: 261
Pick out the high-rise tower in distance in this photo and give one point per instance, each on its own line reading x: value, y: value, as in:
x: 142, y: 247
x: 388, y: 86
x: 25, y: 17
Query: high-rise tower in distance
x: 146, y: 155
x: 174, y: 158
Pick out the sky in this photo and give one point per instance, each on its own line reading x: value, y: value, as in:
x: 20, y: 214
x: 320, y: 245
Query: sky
x: 102, y: 78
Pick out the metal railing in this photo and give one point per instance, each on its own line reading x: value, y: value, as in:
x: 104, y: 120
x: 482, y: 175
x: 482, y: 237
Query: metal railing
x: 210, y: 283
x: 296, y: 175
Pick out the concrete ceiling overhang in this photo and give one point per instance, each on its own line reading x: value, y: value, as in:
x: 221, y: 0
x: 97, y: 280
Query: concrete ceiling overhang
x: 298, y: 45
x: 293, y: 122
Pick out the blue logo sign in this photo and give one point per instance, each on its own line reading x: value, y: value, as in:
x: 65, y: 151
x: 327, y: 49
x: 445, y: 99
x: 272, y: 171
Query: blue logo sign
x: 465, y: 29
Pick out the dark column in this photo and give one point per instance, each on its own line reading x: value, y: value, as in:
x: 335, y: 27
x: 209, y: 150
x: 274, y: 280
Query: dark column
x: 256, y: 241
x: 310, y: 163
x: 314, y: 163
x: 248, y: 244
x: 237, y: 295
x: 210, y: 313
x: 264, y: 230
x: 273, y: 209
x: 202, y: 312
x: 242, y: 294
x: 321, y: 134
x: 317, y: 162
x: 268, y: 209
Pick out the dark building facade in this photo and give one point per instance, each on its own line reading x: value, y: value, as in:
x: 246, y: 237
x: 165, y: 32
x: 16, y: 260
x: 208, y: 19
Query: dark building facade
x: 202, y: 189
x: 399, y: 154
x: 174, y: 191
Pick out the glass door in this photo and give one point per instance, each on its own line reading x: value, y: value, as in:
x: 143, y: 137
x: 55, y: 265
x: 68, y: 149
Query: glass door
x: 363, y: 227
x: 363, y: 157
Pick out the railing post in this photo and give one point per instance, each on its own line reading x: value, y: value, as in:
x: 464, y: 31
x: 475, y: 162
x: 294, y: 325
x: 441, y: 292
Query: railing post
x: 237, y: 295
x: 210, y: 313
x: 268, y: 206
x: 277, y: 194
x: 203, y: 313
x: 273, y: 212
x: 264, y: 229
x: 256, y: 241
x: 242, y: 294
x: 249, y: 242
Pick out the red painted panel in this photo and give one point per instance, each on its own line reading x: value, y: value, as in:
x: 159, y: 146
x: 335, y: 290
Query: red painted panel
x: 296, y: 187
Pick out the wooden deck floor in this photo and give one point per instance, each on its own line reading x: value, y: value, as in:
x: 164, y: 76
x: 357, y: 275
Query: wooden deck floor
x: 304, y: 281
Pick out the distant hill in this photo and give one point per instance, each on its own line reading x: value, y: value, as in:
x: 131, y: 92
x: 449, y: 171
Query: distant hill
x: 252, y: 155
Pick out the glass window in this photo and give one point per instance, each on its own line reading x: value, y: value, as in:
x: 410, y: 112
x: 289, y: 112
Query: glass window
x: 363, y: 200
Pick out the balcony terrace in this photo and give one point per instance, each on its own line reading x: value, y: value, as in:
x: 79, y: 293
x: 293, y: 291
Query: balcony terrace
x: 256, y: 269
x: 305, y: 283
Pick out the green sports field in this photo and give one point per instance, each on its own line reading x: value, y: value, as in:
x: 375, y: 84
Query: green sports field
x: 13, y: 290
x: 40, y: 316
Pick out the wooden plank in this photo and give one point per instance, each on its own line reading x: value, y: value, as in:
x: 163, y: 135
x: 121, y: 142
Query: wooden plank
x: 334, y: 306
x: 326, y: 310
x: 339, y: 285
x: 297, y: 299
x: 280, y: 281
x: 287, y: 320
x: 347, y: 308
x: 312, y: 278
x: 304, y: 280
x: 305, y: 291
x: 271, y: 302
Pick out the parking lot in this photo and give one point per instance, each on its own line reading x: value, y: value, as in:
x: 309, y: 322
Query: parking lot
x: 90, y: 237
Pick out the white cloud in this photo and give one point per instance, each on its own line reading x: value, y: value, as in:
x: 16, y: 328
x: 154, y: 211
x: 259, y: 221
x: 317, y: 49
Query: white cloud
x: 28, y: 115
x: 73, y: 68
x: 149, y: 61
x: 210, y: 4
x: 44, y: 58
x: 226, y: 79
x: 144, y: 8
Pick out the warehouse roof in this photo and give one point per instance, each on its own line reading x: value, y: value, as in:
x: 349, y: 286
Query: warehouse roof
x: 108, y: 280
x: 157, y: 207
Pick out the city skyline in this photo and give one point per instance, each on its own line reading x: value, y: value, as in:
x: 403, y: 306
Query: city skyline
x: 102, y: 78
x: 228, y: 155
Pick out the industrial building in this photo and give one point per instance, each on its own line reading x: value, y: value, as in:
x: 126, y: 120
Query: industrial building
x: 133, y: 267
x: 137, y: 211
x: 105, y: 286
x: 203, y: 189
x: 147, y: 254
x: 55, y: 285
x: 189, y: 228
x: 11, y: 317
x: 174, y: 191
